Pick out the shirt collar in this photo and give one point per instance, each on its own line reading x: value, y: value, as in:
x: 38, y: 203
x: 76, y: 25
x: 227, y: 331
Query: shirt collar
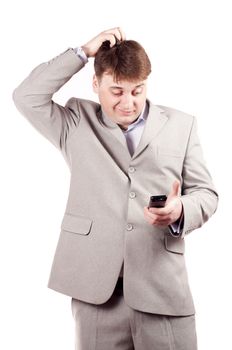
x: 110, y: 124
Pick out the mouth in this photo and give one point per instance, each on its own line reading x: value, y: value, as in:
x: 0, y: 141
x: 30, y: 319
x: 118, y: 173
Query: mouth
x: 127, y: 113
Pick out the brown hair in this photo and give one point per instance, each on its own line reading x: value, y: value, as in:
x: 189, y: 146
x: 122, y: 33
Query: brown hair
x: 126, y: 60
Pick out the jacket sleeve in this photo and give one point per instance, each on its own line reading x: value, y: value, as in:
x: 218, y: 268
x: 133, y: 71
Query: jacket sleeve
x: 199, y: 196
x: 33, y: 98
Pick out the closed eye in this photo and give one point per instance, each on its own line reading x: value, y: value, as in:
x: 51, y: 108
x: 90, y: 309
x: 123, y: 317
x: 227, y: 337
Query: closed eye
x: 137, y: 92
x: 117, y: 93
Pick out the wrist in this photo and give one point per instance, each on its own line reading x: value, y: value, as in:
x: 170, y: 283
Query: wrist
x: 86, y: 50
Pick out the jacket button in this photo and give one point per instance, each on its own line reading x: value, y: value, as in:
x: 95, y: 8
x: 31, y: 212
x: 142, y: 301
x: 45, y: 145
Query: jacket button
x: 131, y: 169
x: 129, y: 227
x: 132, y: 195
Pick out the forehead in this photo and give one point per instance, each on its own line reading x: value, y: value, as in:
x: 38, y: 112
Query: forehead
x: 108, y: 80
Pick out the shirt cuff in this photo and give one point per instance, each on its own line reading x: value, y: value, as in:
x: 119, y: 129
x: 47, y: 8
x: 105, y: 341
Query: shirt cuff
x: 81, y: 54
x: 176, y: 227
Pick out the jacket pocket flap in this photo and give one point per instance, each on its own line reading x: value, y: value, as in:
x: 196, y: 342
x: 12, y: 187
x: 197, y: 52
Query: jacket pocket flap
x: 76, y: 224
x: 174, y: 245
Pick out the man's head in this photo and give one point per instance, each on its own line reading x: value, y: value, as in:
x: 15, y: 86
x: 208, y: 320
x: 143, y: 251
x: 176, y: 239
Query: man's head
x: 120, y: 78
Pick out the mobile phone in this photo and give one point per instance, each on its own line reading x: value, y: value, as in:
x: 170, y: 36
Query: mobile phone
x: 157, y: 201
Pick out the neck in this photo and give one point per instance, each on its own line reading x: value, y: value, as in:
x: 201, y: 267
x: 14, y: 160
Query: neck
x: 123, y: 127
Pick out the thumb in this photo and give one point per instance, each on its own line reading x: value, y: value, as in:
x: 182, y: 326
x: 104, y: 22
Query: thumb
x: 175, y: 190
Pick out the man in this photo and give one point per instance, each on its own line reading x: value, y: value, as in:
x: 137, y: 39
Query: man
x: 120, y: 261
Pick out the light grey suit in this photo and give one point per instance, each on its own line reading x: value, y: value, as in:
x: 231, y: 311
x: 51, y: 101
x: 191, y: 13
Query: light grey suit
x: 102, y: 225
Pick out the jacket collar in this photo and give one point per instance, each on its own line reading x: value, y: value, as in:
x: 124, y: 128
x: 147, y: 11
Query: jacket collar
x: 156, y: 119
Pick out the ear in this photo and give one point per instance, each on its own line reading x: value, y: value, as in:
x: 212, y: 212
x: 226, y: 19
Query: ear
x: 95, y: 84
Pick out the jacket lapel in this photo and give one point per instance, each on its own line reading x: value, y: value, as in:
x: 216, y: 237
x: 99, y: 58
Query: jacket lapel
x: 115, y: 130
x: 114, y: 142
x: 156, y: 119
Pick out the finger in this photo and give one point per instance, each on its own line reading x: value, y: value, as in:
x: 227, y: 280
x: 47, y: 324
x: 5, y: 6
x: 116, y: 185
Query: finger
x: 159, y: 220
x: 163, y: 221
x: 172, y: 205
x: 156, y: 219
x: 123, y: 35
x: 175, y: 190
x: 117, y: 32
x: 112, y: 39
x: 105, y: 36
x: 149, y: 214
x: 162, y: 211
x: 176, y: 187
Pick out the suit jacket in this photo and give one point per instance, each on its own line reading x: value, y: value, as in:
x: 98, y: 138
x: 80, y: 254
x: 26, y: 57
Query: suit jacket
x: 103, y: 224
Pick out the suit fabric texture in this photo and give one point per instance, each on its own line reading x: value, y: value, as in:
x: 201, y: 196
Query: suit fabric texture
x: 115, y: 326
x: 103, y: 224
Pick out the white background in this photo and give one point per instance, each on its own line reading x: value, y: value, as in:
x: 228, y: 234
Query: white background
x: 189, y: 43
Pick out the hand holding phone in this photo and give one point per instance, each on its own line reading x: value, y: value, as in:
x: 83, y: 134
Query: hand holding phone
x: 157, y: 201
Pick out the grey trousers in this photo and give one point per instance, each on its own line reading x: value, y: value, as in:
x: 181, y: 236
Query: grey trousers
x: 115, y: 326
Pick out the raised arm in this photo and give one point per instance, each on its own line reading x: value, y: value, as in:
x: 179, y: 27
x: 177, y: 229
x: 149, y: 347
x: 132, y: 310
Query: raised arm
x: 33, y: 97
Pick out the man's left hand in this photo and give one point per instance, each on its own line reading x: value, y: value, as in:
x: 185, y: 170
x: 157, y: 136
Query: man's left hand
x: 168, y: 214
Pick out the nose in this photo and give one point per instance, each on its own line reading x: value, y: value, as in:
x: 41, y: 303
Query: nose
x: 127, y: 102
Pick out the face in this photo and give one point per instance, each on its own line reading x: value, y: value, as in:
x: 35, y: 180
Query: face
x: 122, y: 102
